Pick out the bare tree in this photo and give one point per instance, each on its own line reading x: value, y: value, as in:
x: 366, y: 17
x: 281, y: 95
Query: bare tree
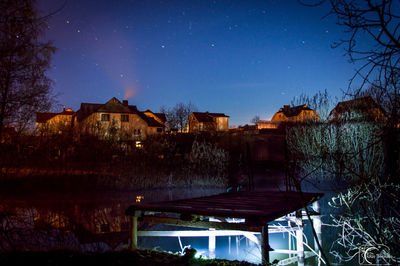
x: 321, y: 102
x: 376, y: 23
x: 178, y: 116
x: 360, y: 151
x: 24, y: 59
x: 255, y: 120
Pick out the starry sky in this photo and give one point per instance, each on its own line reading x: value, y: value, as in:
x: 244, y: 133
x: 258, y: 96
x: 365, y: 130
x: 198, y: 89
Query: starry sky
x: 238, y: 57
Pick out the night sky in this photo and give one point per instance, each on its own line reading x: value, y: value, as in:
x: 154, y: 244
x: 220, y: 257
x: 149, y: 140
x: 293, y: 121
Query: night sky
x: 242, y: 58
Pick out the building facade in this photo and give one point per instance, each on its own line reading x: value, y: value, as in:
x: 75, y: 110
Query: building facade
x: 110, y: 120
x: 301, y: 113
x: 200, y: 122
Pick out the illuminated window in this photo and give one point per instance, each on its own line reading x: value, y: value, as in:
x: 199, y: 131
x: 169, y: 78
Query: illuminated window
x: 105, y: 117
x: 124, y: 118
x: 139, y: 144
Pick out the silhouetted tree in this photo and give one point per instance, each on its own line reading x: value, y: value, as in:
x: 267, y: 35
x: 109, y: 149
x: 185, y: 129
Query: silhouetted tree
x: 24, y: 59
x: 178, y: 116
x: 255, y: 119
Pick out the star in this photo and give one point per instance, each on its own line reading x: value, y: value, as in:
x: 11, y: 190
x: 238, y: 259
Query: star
x: 163, y: 46
x: 78, y: 31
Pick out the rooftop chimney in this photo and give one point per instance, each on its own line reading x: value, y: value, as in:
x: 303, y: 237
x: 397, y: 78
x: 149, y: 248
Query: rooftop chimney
x: 125, y: 102
x: 286, y: 108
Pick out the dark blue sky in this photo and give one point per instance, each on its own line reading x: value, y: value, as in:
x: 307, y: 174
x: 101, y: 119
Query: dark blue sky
x: 242, y: 58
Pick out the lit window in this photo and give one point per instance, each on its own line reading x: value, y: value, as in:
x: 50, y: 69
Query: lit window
x: 139, y: 144
x: 105, y: 117
x: 124, y: 118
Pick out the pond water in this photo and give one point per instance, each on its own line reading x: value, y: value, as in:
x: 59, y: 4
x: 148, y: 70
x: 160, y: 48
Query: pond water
x: 87, y: 222
x: 97, y: 222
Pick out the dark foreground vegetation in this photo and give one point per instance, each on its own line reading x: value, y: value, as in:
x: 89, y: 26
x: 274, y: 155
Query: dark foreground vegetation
x: 139, y: 257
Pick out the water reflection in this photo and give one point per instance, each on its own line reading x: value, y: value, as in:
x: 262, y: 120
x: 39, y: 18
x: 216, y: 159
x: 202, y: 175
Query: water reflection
x: 92, y: 222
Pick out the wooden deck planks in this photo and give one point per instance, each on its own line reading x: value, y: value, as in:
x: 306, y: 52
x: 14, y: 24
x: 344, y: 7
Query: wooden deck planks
x: 262, y: 205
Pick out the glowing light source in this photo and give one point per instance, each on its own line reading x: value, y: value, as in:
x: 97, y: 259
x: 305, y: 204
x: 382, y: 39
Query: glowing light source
x: 139, y: 198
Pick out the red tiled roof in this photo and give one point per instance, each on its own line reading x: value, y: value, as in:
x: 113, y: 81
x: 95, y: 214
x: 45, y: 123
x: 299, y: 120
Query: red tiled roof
x: 294, y: 111
x: 360, y: 104
x: 207, y: 117
x: 43, y: 117
x: 161, y: 116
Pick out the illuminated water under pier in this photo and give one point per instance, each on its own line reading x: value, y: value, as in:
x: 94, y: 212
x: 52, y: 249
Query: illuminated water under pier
x: 249, y: 215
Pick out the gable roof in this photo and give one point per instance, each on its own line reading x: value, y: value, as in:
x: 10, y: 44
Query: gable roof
x: 114, y: 106
x: 151, y: 122
x: 363, y: 104
x: 160, y: 116
x: 207, y: 117
x: 293, y: 111
x: 43, y: 117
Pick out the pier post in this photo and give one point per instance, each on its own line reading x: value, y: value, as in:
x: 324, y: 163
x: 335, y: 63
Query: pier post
x: 299, y: 241
x: 265, y: 248
x: 316, y: 219
x: 133, y: 233
x: 229, y: 244
x: 211, y: 241
x: 211, y: 245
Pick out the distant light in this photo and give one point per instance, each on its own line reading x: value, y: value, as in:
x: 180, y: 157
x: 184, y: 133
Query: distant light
x: 139, y: 198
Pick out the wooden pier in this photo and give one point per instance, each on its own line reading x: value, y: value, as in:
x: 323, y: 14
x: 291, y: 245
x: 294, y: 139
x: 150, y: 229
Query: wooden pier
x: 245, y: 213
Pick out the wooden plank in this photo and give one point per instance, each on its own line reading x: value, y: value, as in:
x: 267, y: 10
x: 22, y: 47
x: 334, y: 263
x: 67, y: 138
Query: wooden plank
x: 257, y: 206
x: 197, y: 233
x: 200, y: 224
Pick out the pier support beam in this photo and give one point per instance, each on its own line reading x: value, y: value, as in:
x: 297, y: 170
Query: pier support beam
x: 299, y: 242
x: 133, y: 232
x: 265, y: 248
x: 211, y: 245
x: 316, y: 219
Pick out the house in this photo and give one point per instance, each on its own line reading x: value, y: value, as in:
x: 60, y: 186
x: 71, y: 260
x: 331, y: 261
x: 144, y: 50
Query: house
x: 206, y: 121
x: 159, y: 117
x: 116, y: 119
x: 299, y: 113
x: 360, y: 109
x: 55, y: 123
x: 111, y: 119
x: 264, y: 124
